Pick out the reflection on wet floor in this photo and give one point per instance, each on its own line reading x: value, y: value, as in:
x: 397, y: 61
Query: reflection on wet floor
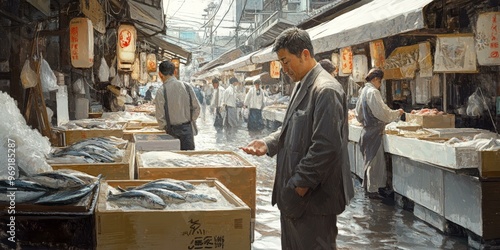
x: 366, y: 223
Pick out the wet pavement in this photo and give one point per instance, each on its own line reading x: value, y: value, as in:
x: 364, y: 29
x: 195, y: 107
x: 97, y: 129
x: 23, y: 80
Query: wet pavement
x: 366, y: 224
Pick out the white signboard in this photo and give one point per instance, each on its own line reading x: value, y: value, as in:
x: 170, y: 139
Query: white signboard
x: 487, y: 38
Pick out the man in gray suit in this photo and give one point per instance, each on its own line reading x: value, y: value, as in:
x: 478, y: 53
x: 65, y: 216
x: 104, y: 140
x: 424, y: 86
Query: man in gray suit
x: 313, y: 181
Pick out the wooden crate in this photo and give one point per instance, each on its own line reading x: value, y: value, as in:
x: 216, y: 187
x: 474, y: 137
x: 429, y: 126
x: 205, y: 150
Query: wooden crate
x: 432, y: 121
x: 227, y: 228
x: 51, y: 227
x: 152, y: 142
x: 68, y: 137
x: 124, y: 170
x: 131, y: 130
x: 241, y: 180
x: 490, y: 164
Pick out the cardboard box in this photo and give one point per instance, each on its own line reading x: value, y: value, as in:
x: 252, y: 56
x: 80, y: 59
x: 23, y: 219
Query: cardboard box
x: 241, y: 180
x: 432, y: 121
x: 227, y: 228
x: 124, y: 170
x: 490, y: 164
x: 156, y: 142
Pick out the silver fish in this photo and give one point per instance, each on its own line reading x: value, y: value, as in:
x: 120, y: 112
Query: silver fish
x: 194, y: 197
x: 80, y: 175
x: 20, y: 190
x: 164, y: 185
x: 185, y: 184
x: 139, y: 198
x: 66, y: 197
x: 167, y: 195
x: 57, y: 180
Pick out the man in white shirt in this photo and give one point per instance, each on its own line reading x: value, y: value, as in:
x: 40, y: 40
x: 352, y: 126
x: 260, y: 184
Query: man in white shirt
x: 254, y: 101
x: 216, y: 105
x: 229, y: 102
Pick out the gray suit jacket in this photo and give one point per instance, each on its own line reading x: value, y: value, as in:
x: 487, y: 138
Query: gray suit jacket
x: 311, y: 149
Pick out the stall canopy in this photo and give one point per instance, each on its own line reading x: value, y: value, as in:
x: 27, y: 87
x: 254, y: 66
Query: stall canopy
x: 371, y: 21
x: 169, y: 50
x: 228, y: 56
x: 146, y: 15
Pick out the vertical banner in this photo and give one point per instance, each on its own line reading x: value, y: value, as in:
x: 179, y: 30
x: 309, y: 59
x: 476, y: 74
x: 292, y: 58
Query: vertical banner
x: 275, y: 68
x: 377, y: 53
x: 346, y: 61
x: 425, y: 59
x: 487, y: 49
x: 360, y: 68
x: 336, y: 62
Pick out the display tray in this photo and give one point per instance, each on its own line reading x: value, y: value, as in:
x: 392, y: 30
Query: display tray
x: 241, y: 180
x: 124, y: 170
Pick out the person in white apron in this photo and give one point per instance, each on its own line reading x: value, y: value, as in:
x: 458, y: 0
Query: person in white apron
x: 374, y: 114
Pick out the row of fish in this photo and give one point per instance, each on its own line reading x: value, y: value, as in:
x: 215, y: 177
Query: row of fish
x: 59, y: 187
x: 90, y: 124
x: 93, y: 150
x: 157, y: 194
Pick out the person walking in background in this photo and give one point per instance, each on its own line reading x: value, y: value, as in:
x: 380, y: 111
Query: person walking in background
x: 313, y: 179
x: 229, y: 103
x: 149, y: 95
x: 216, y: 105
x: 201, y: 100
x: 254, y: 101
x: 374, y: 114
x: 177, y: 107
x: 208, y: 89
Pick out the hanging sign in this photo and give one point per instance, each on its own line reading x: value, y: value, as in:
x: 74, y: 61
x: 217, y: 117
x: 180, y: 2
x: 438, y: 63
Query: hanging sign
x: 402, y: 63
x: 377, y: 53
x: 455, y: 54
x: 345, y: 61
x: 487, y: 38
x: 275, y: 68
x: 93, y: 10
x: 360, y: 68
x: 81, y: 42
x: 425, y: 59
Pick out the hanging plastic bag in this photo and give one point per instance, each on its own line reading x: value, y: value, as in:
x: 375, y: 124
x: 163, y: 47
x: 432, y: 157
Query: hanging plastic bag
x: 78, y: 87
x: 475, y: 105
x: 47, y: 77
x: 112, y: 69
x: 103, y: 71
x: 117, y: 81
x: 28, y: 76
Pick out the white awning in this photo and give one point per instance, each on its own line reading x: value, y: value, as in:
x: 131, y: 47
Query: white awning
x: 265, y: 55
x: 374, y: 20
x: 238, y: 63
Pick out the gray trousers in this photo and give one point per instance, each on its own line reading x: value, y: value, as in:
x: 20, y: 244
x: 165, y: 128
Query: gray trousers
x: 309, y: 232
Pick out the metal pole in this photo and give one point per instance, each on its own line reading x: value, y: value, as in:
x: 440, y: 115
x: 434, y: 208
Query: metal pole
x: 445, y: 94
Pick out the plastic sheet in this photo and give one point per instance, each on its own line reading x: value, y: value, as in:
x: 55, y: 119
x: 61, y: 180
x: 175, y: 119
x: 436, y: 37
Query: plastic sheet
x: 475, y: 105
x: 103, y: 71
x: 31, y: 148
x: 47, y: 77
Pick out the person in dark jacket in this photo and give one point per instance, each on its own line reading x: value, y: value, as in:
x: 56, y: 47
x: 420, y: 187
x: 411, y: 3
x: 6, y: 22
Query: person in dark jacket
x: 313, y: 179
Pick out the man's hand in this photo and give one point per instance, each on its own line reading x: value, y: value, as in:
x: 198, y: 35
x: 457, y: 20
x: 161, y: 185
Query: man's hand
x: 401, y: 111
x: 256, y: 147
x: 301, y: 191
